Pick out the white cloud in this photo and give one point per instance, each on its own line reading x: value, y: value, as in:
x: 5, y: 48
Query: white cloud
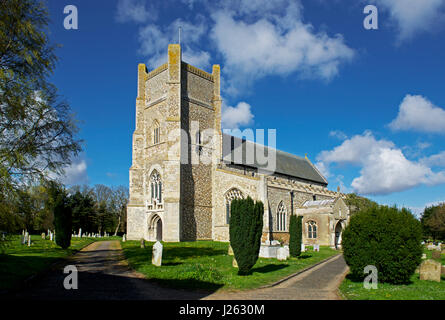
x: 338, y: 134
x: 134, y: 11
x: 234, y: 117
x: 275, y: 44
x: 76, y: 173
x: 384, y: 167
x: 154, y: 42
x: 419, y: 114
x: 413, y: 16
x: 436, y: 160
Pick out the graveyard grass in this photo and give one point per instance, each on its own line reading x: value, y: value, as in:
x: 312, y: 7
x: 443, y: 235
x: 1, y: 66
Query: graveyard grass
x: 415, y: 290
x: 20, y: 261
x: 205, y: 265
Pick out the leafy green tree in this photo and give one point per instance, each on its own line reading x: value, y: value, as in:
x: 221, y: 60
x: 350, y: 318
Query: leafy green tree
x: 246, y: 226
x: 384, y: 237
x: 84, y: 212
x: 357, y: 203
x: 37, y: 129
x: 296, y: 234
x: 433, y: 221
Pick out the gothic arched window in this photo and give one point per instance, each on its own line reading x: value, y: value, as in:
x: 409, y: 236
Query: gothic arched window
x: 156, y: 187
x: 281, y: 217
x: 231, y: 195
x: 312, y: 230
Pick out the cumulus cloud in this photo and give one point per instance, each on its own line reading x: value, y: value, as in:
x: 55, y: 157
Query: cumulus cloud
x: 75, y: 173
x: 419, y: 114
x: 275, y: 44
x: 436, y: 160
x: 338, y: 134
x: 235, y: 117
x: 384, y: 167
x: 413, y: 16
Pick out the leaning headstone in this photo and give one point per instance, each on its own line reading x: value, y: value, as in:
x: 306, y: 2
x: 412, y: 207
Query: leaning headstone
x: 281, y: 254
x: 436, y: 254
x: 230, y: 251
x: 142, y: 243
x: 303, y: 248
x: 157, y: 254
x: 430, y: 270
x: 124, y: 238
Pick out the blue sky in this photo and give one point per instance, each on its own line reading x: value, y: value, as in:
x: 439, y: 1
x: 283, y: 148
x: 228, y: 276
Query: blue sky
x: 367, y: 106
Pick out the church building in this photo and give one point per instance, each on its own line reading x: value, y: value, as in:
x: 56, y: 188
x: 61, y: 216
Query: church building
x: 185, y: 171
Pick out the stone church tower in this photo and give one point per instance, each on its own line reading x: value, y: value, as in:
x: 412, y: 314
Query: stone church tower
x: 170, y: 187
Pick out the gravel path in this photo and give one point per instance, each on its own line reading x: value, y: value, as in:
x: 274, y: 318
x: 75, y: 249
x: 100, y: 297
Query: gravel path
x: 103, y: 274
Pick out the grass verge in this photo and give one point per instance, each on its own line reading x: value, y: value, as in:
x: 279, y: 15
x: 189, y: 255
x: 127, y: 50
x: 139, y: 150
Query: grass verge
x: 205, y: 265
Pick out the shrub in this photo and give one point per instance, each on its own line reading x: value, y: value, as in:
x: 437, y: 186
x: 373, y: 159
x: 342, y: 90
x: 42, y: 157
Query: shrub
x: 246, y: 227
x: 295, y: 232
x: 59, y: 204
x: 387, y: 238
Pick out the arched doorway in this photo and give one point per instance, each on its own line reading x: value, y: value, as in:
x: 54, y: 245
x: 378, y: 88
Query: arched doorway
x: 159, y: 230
x: 338, y: 233
x: 155, y: 228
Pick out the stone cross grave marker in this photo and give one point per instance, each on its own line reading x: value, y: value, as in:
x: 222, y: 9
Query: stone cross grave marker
x: 157, y: 254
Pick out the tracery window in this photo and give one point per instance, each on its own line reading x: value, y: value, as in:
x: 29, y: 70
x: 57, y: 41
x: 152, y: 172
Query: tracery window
x: 231, y: 195
x: 312, y: 230
x: 281, y: 217
x: 156, y: 187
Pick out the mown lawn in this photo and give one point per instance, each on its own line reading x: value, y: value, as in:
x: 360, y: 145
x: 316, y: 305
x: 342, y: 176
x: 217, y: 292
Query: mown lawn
x: 415, y: 290
x: 20, y: 261
x: 206, y: 265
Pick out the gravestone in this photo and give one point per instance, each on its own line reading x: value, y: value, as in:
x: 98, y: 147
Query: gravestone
x: 22, y: 239
x: 423, y: 256
x: 281, y: 254
x: 142, y: 243
x: 80, y: 232
x: 230, y: 251
x: 234, y: 263
x: 157, y: 254
x: 124, y: 238
x: 303, y: 248
x: 317, y: 247
x: 436, y: 254
x: 43, y: 236
x: 51, y: 236
x: 29, y: 241
x: 430, y: 270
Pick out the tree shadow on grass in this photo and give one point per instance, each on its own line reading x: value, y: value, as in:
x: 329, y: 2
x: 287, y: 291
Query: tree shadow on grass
x: 269, y: 268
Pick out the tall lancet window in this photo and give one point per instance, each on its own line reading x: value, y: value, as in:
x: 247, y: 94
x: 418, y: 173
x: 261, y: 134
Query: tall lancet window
x: 231, y: 195
x: 281, y: 217
x: 156, y: 187
x: 156, y: 133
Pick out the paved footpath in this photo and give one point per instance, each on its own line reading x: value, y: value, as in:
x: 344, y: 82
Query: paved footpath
x: 318, y: 283
x: 103, y: 274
